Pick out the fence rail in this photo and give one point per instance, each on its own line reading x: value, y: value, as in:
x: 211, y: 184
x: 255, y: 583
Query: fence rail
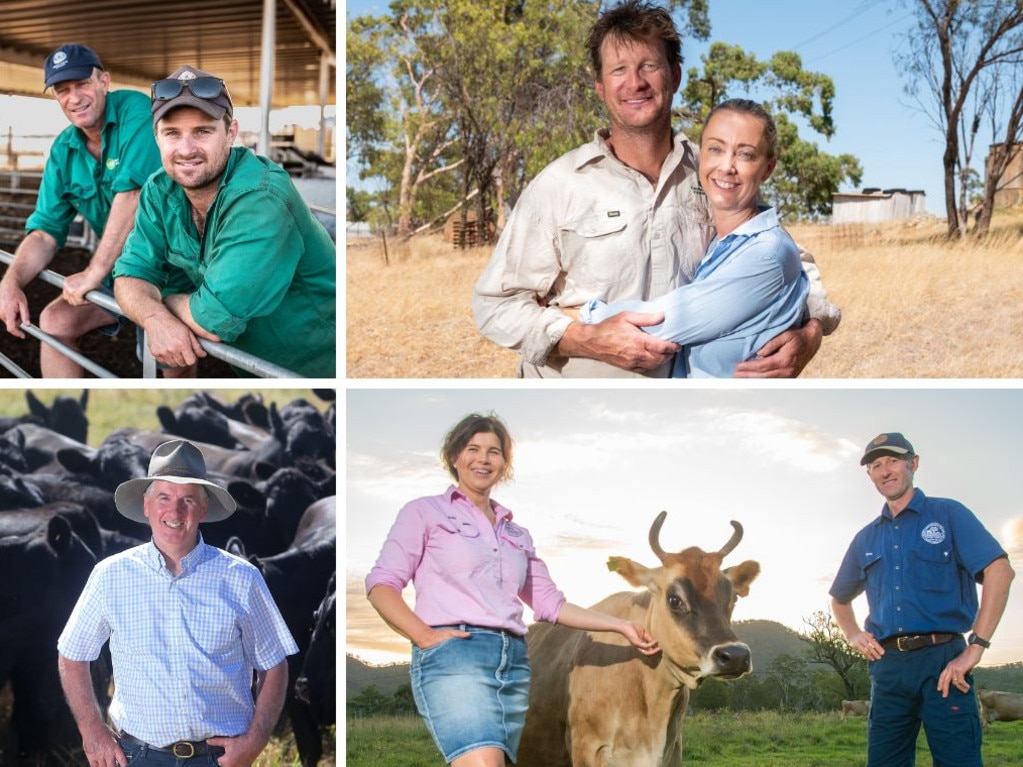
x: 102, y: 298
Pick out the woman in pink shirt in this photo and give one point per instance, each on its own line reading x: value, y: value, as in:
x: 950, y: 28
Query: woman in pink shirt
x: 473, y: 568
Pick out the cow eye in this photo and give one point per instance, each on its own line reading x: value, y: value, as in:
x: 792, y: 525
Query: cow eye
x: 676, y: 603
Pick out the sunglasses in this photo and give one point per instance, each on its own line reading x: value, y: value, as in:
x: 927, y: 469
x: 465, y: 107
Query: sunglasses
x: 200, y: 87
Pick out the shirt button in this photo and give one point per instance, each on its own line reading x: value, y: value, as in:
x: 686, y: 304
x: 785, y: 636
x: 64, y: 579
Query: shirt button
x: 896, y: 547
x: 897, y: 567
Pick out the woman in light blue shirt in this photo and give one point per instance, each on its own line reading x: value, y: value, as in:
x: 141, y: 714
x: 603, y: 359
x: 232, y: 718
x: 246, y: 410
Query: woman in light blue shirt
x: 750, y: 285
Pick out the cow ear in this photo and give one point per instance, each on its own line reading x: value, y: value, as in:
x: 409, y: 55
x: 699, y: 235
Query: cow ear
x: 168, y: 420
x: 58, y: 534
x: 35, y: 407
x: 635, y: 573
x: 742, y: 576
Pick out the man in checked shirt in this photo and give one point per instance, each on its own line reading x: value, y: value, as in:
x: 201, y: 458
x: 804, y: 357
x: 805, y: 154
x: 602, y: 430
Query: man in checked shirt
x: 188, y: 624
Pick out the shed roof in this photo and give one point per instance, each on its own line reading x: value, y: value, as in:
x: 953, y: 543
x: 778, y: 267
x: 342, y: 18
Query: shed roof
x: 143, y: 42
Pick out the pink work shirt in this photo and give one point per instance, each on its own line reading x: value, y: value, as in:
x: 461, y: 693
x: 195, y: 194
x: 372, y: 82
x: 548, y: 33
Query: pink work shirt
x: 464, y: 569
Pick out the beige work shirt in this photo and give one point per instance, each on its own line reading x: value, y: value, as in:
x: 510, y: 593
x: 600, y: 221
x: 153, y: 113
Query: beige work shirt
x: 589, y: 226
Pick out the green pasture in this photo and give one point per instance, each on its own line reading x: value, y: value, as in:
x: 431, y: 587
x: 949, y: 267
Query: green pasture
x: 747, y: 739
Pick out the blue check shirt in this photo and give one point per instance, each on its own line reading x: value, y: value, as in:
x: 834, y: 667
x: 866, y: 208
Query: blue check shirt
x: 183, y: 648
x: 919, y: 569
x: 749, y: 287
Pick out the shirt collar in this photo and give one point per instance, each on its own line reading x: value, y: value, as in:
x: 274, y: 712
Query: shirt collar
x: 916, y: 505
x: 109, y: 118
x: 500, y: 512
x: 152, y: 556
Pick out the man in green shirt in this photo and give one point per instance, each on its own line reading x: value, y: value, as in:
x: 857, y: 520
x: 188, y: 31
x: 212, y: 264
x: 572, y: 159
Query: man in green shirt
x: 96, y: 167
x: 224, y: 247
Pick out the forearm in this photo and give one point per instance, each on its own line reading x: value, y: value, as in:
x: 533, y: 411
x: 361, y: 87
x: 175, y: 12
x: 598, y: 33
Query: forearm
x: 576, y: 617
x: 76, y: 679
x: 33, y: 254
x: 397, y: 614
x: 178, y: 305
x: 269, y: 702
x: 994, y: 596
x: 845, y: 618
x: 119, y: 225
x: 139, y: 300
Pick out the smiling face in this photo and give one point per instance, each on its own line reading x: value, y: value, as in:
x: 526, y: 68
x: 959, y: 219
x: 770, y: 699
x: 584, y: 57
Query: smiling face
x: 636, y: 84
x: 893, y: 476
x: 735, y: 159
x: 174, y: 512
x: 480, y: 465
x: 84, y: 102
x: 194, y: 147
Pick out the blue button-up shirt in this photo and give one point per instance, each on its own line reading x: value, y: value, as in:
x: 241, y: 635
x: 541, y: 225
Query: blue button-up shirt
x: 919, y: 569
x: 749, y: 287
x: 183, y: 648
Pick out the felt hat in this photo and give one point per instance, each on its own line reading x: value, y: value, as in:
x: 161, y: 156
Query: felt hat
x: 182, y: 463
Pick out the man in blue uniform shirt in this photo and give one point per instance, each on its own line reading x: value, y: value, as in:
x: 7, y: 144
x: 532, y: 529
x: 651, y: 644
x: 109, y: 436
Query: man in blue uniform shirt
x: 918, y: 563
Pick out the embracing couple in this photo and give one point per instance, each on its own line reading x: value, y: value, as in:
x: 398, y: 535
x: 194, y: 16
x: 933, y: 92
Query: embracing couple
x: 640, y: 253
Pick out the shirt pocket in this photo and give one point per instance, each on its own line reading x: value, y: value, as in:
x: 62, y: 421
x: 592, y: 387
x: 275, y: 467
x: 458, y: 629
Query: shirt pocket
x: 933, y: 569
x: 595, y: 252
x: 81, y: 195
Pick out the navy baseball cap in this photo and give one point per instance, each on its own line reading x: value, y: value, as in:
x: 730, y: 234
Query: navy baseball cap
x: 70, y: 62
x: 889, y: 443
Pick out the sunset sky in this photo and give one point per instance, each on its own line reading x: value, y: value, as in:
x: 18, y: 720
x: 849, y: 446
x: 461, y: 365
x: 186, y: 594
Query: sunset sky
x: 594, y: 466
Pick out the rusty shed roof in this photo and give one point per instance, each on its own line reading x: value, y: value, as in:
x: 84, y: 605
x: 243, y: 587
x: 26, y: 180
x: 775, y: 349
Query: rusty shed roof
x: 144, y: 41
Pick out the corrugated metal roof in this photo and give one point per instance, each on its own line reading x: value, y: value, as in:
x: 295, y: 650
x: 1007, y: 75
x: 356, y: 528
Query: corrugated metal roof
x: 144, y: 40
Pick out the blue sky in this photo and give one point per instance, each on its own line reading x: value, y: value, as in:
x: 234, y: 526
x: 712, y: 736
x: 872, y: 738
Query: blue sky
x: 853, y: 43
x: 594, y: 466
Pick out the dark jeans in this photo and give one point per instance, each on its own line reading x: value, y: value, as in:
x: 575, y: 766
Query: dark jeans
x: 143, y: 756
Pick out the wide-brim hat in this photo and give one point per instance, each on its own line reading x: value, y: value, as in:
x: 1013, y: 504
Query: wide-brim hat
x: 889, y: 443
x: 215, y: 107
x: 182, y: 463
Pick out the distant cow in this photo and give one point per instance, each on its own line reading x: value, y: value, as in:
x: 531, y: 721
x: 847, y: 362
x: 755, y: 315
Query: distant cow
x: 855, y: 708
x: 596, y: 701
x: 996, y: 706
x: 317, y: 681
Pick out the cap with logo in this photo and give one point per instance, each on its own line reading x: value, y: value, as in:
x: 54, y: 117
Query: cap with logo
x: 889, y: 443
x: 70, y: 62
x: 191, y: 87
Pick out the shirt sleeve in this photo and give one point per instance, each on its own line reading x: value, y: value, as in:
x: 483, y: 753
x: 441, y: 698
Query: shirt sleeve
x: 851, y: 580
x: 265, y: 635
x: 721, y: 306
x: 401, y: 553
x: 140, y: 156
x: 144, y: 249
x: 507, y: 302
x: 975, y: 547
x: 54, y: 213
x: 87, y: 628
x: 247, y: 253
x: 539, y: 591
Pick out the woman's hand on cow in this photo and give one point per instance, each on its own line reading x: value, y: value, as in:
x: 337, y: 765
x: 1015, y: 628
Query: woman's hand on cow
x: 639, y: 638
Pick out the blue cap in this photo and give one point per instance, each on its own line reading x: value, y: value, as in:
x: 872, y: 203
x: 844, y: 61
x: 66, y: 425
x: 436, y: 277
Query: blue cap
x: 890, y: 443
x: 70, y: 62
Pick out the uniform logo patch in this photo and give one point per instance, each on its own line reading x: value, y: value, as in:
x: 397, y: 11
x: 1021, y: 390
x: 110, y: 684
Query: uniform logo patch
x: 512, y: 529
x: 59, y: 59
x: 112, y: 163
x: 933, y: 533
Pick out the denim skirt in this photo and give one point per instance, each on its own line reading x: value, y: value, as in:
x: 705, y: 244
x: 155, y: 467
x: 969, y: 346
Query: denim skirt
x: 473, y: 693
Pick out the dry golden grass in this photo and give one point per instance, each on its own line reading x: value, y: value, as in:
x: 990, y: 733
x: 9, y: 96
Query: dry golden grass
x: 914, y: 306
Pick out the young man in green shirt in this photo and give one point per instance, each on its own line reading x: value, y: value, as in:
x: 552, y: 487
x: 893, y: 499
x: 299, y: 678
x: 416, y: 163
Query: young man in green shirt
x: 96, y: 167
x: 224, y: 247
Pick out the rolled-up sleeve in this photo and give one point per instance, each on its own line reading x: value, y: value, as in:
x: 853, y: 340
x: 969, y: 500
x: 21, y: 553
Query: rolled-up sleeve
x: 507, y: 299
x: 540, y: 593
x: 401, y: 553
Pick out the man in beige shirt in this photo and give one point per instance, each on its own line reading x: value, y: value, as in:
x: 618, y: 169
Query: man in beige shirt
x: 621, y: 217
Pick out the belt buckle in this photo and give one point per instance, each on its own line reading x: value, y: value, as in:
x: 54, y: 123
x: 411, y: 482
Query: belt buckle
x: 183, y: 744
x: 898, y: 644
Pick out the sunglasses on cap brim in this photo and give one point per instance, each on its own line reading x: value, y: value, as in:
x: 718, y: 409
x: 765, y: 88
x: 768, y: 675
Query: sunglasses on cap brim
x: 200, y: 87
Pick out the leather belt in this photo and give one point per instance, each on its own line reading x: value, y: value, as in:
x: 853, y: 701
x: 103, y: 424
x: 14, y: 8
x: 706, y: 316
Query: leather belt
x: 907, y: 642
x: 183, y: 749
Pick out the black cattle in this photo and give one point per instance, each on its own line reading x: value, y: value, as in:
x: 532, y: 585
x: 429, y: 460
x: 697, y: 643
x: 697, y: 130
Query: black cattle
x: 66, y: 416
x: 248, y: 408
x: 41, y: 575
x: 297, y: 579
x: 12, y: 451
x: 16, y: 493
x: 41, y: 445
x: 317, y: 680
x: 22, y: 521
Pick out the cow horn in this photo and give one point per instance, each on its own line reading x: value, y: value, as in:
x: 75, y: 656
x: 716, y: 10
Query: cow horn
x: 655, y: 535
x: 733, y: 541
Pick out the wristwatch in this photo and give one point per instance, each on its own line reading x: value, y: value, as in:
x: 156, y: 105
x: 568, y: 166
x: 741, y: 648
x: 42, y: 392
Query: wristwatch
x: 974, y: 639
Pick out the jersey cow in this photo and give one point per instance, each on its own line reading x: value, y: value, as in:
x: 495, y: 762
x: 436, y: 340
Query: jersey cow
x: 855, y: 708
x: 596, y: 702
x: 996, y: 706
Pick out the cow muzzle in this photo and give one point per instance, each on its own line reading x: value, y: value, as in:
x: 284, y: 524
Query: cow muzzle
x: 730, y: 661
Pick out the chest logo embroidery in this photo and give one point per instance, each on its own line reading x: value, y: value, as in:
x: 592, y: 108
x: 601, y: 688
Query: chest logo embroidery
x: 933, y: 533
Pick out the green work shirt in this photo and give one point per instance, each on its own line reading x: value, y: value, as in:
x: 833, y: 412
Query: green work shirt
x: 76, y: 182
x: 262, y: 276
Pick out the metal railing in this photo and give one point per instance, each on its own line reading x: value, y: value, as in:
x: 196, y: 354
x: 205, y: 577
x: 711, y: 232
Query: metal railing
x: 102, y: 298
